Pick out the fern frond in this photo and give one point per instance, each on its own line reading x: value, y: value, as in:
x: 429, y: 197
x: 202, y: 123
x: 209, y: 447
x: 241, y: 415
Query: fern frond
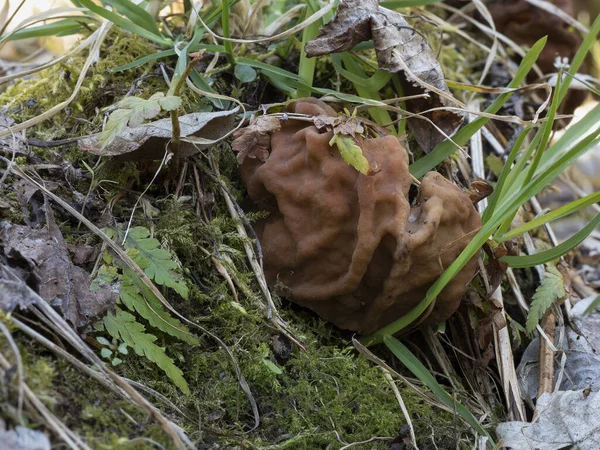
x: 550, y: 289
x: 150, y: 308
x: 124, y: 326
x: 157, y: 263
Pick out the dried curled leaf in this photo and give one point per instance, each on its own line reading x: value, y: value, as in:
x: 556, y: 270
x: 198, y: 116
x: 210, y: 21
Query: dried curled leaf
x: 397, y: 44
x: 254, y: 141
x: 343, y: 124
x: 399, y: 48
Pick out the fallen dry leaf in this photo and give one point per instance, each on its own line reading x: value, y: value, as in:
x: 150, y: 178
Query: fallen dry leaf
x: 566, y: 420
x: 42, y: 260
x: 254, y: 141
x: 399, y: 48
x: 148, y: 141
x: 13, y: 291
x: 340, y: 125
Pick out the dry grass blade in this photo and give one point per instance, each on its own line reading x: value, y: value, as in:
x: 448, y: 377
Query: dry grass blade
x: 270, y: 308
x: 20, y: 372
x: 553, y: 9
x: 56, y: 13
x: 99, y: 34
x: 66, y: 435
x: 504, y: 353
x: 492, y: 33
x: 151, y: 286
x: 310, y: 20
x: 392, y: 383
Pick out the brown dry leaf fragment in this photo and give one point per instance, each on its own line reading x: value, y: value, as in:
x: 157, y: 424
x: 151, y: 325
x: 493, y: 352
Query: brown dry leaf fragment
x: 398, y: 45
x: 148, y: 141
x: 399, y: 48
x: 479, y: 190
x: 44, y: 263
x: 340, y: 125
x: 254, y: 141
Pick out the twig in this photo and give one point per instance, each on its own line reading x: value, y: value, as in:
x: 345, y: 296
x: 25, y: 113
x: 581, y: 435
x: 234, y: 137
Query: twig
x: 390, y: 380
x: 546, y: 374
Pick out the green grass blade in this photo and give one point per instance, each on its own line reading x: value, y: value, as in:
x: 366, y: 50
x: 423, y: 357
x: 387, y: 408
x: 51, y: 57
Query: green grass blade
x: 306, y: 68
x: 144, y: 60
x: 446, y: 148
x: 137, y: 15
x: 62, y: 27
x: 268, y: 68
x: 226, y: 33
x: 124, y: 23
x: 165, y: 54
x: 563, y: 211
x: 375, y: 83
x: 420, y: 371
x: 585, y: 47
x: 556, y: 252
x: 574, y: 134
x: 503, y: 211
x: 495, y: 197
x: 200, y: 82
x: 379, y: 115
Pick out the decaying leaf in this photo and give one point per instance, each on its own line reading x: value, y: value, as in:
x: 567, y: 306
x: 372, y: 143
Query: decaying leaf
x: 566, y: 419
x: 148, y: 141
x: 479, y: 190
x: 133, y: 111
x: 254, y: 141
x: 342, y: 124
x: 398, y: 45
x: 550, y: 289
x: 43, y: 261
x: 581, y: 369
x: 14, y: 291
x: 399, y: 48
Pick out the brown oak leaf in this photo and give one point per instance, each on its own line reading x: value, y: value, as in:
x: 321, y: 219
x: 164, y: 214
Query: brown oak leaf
x: 254, y: 141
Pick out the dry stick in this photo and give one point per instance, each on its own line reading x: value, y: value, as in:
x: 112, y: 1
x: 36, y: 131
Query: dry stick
x: 272, y: 313
x: 60, y: 352
x: 504, y: 353
x: 151, y: 286
x: 70, y: 438
x: 390, y: 380
x: 98, y: 376
x: 20, y: 372
x: 546, y: 374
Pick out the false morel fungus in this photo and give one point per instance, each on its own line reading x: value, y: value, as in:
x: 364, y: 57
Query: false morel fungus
x: 350, y: 246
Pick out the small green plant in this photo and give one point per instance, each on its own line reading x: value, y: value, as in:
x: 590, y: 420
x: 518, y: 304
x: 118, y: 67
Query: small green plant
x: 111, y: 349
x: 550, y: 289
x: 123, y: 326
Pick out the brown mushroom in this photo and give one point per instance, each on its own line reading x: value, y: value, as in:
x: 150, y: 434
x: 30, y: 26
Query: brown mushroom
x: 349, y: 246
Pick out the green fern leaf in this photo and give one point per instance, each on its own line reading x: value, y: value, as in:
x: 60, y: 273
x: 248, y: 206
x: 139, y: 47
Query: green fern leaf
x: 550, y: 289
x: 123, y: 326
x: 151, y: 309
x: 157, y: 263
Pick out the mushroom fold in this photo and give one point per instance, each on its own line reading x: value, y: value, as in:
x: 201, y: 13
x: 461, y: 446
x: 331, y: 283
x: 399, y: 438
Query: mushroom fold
x: 350, y: 246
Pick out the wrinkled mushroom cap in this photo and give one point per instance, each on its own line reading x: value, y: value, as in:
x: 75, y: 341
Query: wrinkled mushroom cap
x: 349, y: 246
